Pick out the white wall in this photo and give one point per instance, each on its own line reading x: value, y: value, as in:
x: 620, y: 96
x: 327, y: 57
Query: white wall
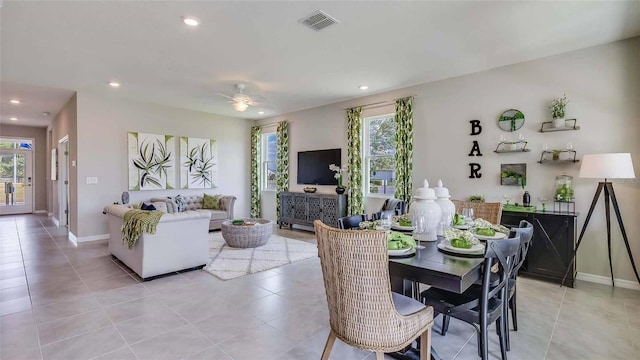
x: 603, y: 86
x: 103, y: 124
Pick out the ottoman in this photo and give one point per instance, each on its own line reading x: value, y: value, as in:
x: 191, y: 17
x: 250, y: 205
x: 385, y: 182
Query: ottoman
x: 254, y: 233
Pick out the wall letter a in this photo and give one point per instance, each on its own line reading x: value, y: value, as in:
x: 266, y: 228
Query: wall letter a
x: 475, y: 150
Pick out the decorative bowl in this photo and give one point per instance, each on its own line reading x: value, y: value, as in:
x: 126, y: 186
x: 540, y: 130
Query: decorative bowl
x: 309, y: 189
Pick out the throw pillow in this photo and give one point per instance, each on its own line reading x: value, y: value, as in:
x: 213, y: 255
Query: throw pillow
x: 180, y: 203
x: 137, y: 206
x: 211, y: 202
x: 147, y: 207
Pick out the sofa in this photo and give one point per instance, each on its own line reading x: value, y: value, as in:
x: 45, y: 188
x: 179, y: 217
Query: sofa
x: 194, y: 202
x: 181, y: 242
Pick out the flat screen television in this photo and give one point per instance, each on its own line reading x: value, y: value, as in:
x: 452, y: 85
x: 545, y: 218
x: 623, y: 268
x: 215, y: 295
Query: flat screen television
x: 313, y: 166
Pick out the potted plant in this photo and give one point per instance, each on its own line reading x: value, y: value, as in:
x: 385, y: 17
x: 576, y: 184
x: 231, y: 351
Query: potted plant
x: 558, y: 107
x: 555, y: 154
x: 339, y: 171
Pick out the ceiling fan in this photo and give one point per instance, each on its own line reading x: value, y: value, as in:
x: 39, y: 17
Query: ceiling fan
x: 241, y: 101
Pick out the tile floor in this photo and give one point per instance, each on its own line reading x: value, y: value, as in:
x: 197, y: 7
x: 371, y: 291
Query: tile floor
x: 59, y: 301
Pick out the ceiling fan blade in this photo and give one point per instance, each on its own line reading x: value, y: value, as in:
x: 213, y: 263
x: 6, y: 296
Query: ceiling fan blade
x: 257, y: 98
x: 224, y: 95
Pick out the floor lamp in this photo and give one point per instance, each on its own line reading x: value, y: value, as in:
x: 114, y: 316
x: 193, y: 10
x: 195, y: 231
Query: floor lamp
x: 606, y: 166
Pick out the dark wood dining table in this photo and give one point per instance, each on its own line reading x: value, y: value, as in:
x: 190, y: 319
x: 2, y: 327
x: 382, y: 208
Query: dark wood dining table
x: 435, y: 268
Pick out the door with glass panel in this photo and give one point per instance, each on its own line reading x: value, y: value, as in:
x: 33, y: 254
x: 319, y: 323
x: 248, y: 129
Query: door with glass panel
x: 16, y: 178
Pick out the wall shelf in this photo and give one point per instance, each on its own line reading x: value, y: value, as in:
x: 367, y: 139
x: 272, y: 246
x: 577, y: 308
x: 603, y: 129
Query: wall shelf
x: 547, y: 157
x: 511, y: 147
x: 547, y: 126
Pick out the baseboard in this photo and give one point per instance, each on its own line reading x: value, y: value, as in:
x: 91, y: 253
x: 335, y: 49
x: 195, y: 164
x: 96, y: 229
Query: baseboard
x: 40, y: 212
x: 93, y: 238
x: 627, y: 284
x: 55, y: 221
x: 50, y: 214
x: 73, y: 238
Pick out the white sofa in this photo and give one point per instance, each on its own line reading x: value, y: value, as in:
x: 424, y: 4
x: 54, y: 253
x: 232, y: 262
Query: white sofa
x: 181, y: 242
x: 194, y: 202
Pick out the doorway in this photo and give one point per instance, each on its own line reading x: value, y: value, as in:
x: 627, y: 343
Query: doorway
x: 16, y: 176
x: 63, y: 181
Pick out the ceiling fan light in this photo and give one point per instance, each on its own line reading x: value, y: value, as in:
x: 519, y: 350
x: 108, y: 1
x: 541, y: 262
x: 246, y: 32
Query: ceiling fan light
x: 240, y: 106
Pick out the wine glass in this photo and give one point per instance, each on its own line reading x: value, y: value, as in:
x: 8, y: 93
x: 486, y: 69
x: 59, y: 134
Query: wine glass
x: 419, y: 228
x: 543, y: 200
x: 507, y: 198
x: 446, y: 222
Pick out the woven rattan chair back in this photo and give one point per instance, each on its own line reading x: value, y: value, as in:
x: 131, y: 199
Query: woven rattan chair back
x: 355, y: 268
x: 484, y: 210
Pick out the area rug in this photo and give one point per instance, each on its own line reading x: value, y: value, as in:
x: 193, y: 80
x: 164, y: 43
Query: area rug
x: 228, y: 263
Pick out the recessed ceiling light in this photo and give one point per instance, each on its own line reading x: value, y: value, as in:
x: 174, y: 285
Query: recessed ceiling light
x: 191, y: 20
x: 363, y: 87
x: 261, y: 112
x: 13, y: 118
x: 114, y: 84
x: 14, y: 101
x: 46, y: 113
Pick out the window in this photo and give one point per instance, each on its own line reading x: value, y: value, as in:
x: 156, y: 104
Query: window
x: 268, y: 156
x: 379, y: 152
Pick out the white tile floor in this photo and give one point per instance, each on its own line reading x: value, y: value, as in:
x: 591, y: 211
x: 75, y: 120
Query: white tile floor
x: 58, y: 301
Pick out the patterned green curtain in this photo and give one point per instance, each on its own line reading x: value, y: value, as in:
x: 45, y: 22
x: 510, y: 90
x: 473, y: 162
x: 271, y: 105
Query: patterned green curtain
x: 404, y: 148
x: 355, y: 190
x: 255, y: 172
x: 282, y: 163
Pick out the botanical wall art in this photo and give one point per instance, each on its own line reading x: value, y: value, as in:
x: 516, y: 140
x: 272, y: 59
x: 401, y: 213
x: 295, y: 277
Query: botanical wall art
x: 198, y: 163
x: 513, y: 174
x: 151, y: 161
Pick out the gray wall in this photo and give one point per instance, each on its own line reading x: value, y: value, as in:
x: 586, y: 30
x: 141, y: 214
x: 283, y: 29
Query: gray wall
x: 103, y: 123
x: 39, y: 160
x: 603, y: 86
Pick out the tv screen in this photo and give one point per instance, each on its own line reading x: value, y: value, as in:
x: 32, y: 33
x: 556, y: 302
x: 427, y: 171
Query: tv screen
x: 313, y: 166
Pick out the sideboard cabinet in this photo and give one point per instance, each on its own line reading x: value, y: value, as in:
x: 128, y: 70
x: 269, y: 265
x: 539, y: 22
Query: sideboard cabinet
x: 554, y: 238
x: 303, y: 208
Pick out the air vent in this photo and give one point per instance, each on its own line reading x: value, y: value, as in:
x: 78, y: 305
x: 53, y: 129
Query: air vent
x: 318, y: 20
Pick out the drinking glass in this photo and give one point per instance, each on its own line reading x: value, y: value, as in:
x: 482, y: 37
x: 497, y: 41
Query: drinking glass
x: 446, y: 222
x: 419, y: 228
x: 385, y: 222
x: 507, y: 198
x: 543, y: 200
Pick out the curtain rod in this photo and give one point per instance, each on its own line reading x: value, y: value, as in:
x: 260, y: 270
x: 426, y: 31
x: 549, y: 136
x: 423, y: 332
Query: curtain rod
x: 380, y: 103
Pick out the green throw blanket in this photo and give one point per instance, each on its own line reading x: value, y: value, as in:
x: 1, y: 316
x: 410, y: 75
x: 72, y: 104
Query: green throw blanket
x: 136, y: 222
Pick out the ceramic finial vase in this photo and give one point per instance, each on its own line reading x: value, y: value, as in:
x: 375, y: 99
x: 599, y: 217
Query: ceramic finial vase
x: 447, y: 206
x: 424, y: 205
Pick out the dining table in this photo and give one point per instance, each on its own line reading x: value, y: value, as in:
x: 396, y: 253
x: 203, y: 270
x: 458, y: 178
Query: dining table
x: 432, y: 267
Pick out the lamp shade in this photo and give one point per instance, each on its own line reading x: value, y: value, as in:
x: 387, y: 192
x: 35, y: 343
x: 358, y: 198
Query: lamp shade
x: 607, y: 166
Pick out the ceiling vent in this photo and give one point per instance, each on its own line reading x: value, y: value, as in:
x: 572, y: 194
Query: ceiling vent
x: 318, y: 20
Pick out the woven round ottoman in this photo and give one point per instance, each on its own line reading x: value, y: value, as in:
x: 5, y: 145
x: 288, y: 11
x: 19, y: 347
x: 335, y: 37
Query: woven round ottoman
x: 247, y: 236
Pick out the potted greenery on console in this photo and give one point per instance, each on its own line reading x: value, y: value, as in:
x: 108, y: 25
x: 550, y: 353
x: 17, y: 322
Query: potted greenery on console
x: 558, y: 107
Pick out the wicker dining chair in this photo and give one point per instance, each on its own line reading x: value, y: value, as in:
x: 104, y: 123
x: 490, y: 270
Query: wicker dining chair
x: 489, y: 211
x: 363, y: 311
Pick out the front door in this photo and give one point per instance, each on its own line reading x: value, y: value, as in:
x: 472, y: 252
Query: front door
x: 16, y: 177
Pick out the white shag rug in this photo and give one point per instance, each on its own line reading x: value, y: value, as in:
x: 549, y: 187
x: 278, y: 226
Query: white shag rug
x: 227, y: 262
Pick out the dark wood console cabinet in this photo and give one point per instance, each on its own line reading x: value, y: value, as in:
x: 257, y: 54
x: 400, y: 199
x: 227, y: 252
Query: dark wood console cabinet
x: 554, y: 239
x: 303, y: 208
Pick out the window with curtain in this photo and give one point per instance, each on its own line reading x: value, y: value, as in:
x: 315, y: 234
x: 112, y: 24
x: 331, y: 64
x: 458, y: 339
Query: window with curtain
x: 269, y: 164
x: 379, y: 155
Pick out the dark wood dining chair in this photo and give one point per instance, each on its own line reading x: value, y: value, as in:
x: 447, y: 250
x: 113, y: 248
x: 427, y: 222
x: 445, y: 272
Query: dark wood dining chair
x: 483, y: 304
x: 394, y: 204
x: 363, y: 311
x: 525, y: 231
x: 391, y: 213
x: 352, y: 222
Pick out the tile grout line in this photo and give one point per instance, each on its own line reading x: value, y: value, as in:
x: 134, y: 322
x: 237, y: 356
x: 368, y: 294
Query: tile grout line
x: 90, y: 292
x: 555, y: 323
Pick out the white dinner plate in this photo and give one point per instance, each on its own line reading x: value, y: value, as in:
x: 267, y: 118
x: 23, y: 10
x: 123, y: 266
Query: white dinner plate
x: 475, y: 249
x: 497, y: 236
x: 461, y: 227
x: 396, y: 226
x: 403, y: 251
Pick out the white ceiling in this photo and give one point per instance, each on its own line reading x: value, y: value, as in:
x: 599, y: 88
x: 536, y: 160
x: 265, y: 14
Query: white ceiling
x: 80, y: 46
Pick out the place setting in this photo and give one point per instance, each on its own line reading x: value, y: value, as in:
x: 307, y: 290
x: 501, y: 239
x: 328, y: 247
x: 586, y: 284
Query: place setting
x: 460, y: 243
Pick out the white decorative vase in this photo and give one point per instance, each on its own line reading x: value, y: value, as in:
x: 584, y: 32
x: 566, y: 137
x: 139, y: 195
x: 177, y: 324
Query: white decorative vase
x: 447, y: 207
x: 424, y: 205
x: 558, y: 123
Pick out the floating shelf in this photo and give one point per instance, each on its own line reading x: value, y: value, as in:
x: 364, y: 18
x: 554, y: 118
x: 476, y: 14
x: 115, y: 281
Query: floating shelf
x: 544, y: 157
x: 507, y: 147
x: 547, y: 126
